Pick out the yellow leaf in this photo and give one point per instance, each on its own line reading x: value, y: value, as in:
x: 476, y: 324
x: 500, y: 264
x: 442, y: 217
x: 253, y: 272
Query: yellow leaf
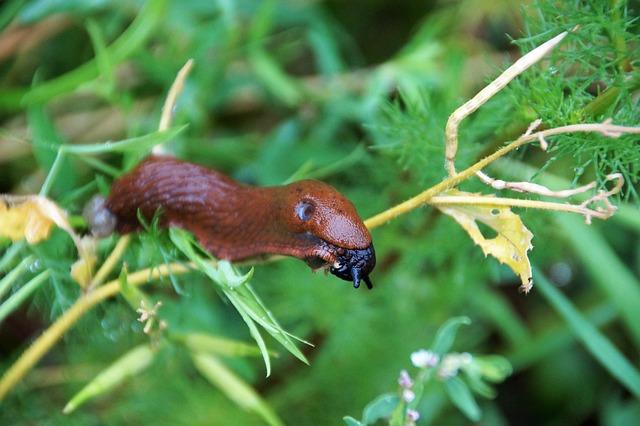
x: 32, y: 217
x: 511, y: 244
x: 82, y: 269
x: 28, y: 218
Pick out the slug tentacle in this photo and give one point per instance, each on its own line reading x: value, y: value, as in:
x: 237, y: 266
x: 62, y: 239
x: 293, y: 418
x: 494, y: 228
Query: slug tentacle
x: 308, y: 219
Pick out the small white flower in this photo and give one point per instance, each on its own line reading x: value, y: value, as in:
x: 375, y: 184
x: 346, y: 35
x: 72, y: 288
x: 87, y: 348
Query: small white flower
x: 424, y: 358
x: 408, y: 395
x: 452, y: 363
x: 405, y: 380
x: 413, y: 415
x: 148, y: 315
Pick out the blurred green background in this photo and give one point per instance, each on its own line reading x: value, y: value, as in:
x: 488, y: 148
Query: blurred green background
x: 356, y: 94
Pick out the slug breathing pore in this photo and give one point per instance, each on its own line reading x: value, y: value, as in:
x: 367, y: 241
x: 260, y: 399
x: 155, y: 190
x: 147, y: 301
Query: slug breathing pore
x: 307, y: 219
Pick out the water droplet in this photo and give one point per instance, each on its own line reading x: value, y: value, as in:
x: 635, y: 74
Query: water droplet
x: 35, y: 266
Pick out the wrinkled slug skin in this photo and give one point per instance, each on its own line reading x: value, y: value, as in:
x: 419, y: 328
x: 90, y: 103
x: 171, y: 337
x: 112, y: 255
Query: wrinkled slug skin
x: 236, y: 221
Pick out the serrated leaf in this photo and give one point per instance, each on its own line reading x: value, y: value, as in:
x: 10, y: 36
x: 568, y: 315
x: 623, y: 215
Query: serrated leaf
x: 511, y: 244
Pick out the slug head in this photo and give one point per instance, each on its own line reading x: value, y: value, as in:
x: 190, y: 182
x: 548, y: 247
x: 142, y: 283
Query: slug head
x: 318, y: 212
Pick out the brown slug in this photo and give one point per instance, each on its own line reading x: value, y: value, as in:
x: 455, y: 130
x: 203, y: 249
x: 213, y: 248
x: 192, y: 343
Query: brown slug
x: 308, y: 219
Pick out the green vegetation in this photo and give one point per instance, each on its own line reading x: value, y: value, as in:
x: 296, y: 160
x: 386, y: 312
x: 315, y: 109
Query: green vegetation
x: 356, y: 94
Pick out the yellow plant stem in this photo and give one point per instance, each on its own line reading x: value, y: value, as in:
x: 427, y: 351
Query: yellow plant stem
x: 111, y: 261
x: 448, y: 183
x: 445, y: 200
x: 87, y: 301
x: 611, y: 130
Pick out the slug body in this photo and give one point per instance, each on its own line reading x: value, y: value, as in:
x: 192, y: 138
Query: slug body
x: 308, y: 219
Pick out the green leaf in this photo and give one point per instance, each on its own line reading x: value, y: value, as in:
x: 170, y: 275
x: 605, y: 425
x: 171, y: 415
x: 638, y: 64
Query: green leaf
x: 103, y: 59
x: 7, y: 281
x: 132, y: 294
x: 203, y: 342
x: 380, y: 408
x: 137, y: 144
x: 130, y: 364
x: 40, y: 9
x: 494, y: 368
x: 447, y: 333
x: 350, y: 421
x: 131, y: 40
x: 608, y: 271
x: 460, y: 395
x: 240, y: 294
x: 9, y: 256
x: 595, y: 342
x: 234, y: 387
x: 9, y: 10
x: 46, y: 142
x: 16, y: 299
x: 267, y: 69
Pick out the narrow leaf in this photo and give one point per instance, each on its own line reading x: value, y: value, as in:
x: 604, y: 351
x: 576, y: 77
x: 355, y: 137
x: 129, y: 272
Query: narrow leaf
x: 16, y: 299
x: 380, y: 408
x: 234, y: 387
x: 595, y: 342
x: 447, y: 333
x: 130, y: 364
x: 139, y: 144
x: 350, y: 421
x: 203, y: 342
x: 460, y: 395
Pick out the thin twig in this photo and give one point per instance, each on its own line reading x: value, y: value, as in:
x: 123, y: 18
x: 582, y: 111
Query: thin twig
x: 170, y: 102
x: 607, y: 129
x: 522, y: 64
x: 110, y: 262
x: 84, y: 303
x: 532, y: 188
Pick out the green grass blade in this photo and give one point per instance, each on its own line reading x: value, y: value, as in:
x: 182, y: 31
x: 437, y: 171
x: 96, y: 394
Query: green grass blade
x: 234, y: 387
x: 13, y: 302
x: 595, y: 342
x: 140, y: 143
x: 7, y: 281
x: 129, y: 364
x: 253, y: 330
x: 131, y: 40
x: 9, y: 256
x: 607, y: 270
x: 217, y: 345
x: 556, y: 338
x: 9, y: 11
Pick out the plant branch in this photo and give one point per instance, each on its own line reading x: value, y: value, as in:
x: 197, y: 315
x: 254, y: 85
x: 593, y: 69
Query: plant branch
x: 110, y: 262
x: 521, y: 65
x: 170, y: 103
x: 607, y: 129
x: 84, y: 303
